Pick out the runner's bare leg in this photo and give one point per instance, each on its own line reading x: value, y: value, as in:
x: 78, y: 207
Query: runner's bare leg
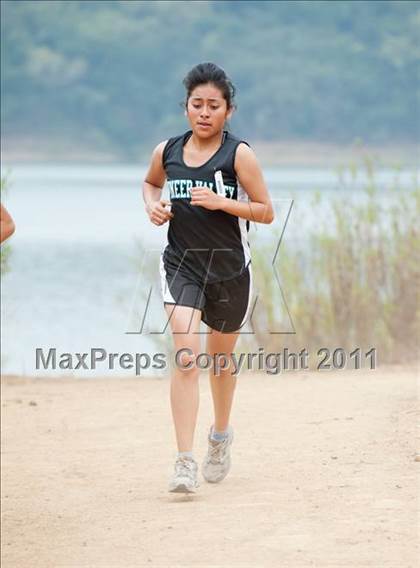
x: 222, y: 386
x: 184, y: 389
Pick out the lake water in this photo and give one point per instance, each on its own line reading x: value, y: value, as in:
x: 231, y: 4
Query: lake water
x: 75, y: 278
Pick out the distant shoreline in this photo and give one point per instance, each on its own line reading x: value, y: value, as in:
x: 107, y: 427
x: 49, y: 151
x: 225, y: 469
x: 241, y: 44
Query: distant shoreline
x: 270, y: 154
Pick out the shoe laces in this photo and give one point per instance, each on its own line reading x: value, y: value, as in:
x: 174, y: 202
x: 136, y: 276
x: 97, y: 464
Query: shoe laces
x: 185, y: 466
x: 217, y: 450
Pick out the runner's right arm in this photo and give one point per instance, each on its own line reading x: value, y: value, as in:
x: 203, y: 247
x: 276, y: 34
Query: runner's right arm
x: 152, y: 188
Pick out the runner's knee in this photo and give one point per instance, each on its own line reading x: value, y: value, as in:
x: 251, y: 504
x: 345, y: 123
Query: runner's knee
x: 186, y: 362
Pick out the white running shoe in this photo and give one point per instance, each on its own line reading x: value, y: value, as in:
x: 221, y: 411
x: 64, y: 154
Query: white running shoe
x: 216, y: 464
x: 184, y: 479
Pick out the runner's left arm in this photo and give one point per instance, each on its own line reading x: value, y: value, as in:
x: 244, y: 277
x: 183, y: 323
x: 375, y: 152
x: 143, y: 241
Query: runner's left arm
x: 259, y: 207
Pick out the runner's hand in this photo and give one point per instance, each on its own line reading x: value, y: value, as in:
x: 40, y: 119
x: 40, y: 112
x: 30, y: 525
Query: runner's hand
x: 157, y: 212
x: 205, y: 197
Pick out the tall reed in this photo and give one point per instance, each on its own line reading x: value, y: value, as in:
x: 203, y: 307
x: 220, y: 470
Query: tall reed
x: 355, y: 280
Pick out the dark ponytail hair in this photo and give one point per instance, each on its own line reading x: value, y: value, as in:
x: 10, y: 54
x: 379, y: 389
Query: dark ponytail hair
x: 210, y: 73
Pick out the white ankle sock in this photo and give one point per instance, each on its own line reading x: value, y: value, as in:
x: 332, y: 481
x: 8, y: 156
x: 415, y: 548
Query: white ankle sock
x: 186, y: 455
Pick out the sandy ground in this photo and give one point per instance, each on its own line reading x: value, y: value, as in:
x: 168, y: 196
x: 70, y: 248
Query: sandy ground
x: 324, y: 474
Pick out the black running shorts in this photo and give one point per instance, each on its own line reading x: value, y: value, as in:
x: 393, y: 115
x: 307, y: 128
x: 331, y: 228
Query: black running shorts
x: 224, y: 305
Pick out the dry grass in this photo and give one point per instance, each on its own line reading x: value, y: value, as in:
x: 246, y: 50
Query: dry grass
x: 356, y: 281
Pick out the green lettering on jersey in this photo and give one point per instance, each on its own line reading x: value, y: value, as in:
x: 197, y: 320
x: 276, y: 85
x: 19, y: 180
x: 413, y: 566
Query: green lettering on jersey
x: 181, y: 188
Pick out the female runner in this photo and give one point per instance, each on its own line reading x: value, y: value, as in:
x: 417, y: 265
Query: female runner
x: 206, y: 265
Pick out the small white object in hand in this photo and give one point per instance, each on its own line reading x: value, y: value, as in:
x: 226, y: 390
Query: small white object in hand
x: 219, y: 183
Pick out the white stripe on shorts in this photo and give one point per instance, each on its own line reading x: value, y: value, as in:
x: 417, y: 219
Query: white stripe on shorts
x: 249, y: 295
x: 166, y: 293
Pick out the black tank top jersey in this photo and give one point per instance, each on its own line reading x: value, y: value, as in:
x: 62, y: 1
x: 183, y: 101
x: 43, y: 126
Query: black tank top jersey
x: 211, y: 245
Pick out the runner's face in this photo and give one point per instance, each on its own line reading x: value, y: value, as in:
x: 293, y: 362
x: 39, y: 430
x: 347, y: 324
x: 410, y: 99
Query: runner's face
x: 207, y: 110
